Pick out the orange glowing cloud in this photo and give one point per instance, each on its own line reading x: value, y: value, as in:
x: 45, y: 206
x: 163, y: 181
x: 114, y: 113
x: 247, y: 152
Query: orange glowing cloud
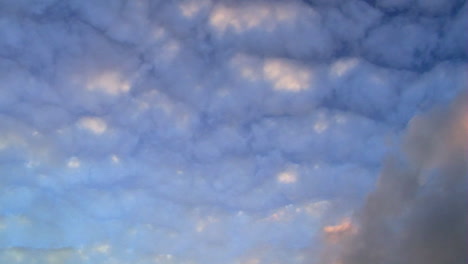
x: 335, y: 233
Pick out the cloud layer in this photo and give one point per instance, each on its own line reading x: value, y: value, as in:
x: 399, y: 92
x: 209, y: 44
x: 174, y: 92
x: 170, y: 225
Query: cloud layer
x: 231, y: 131
x: 417, y: 213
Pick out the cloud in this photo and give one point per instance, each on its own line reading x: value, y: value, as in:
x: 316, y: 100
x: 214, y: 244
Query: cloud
x: 417, y: 211
x: 287, y: 77
x: 93, y: 124
x: 108, y: 83
x: 287, y: 177
x: 336, y: 233
x: 221, y: 131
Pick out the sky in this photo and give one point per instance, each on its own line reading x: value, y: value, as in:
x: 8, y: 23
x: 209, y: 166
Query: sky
x: 233, y: 131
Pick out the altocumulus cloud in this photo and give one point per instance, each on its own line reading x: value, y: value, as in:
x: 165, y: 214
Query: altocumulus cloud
x: 234, y: 132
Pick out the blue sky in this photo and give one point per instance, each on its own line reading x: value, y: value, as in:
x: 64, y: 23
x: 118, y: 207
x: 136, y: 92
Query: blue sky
x: 233, y: 132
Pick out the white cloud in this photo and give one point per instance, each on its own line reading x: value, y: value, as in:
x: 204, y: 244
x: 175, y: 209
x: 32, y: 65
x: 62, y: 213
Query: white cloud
x: 287, y: 177
x: 94, y: 125
x: 73, y: 163
x: 342, y: 67
x: 286, y: 76
x: 108, y: 82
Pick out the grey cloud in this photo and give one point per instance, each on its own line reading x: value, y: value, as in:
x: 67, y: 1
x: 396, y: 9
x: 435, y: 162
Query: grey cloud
x: 417, y: 212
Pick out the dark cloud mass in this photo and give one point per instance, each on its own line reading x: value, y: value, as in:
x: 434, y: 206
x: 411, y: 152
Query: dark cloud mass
x: 417, y: 213
x: 233, y: 132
